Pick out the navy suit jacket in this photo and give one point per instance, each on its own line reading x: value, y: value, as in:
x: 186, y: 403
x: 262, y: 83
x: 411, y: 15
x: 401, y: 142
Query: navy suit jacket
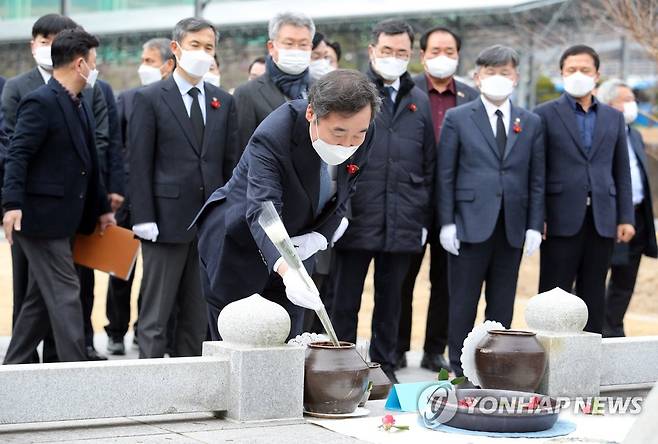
x: 52, y: 171
x: 572, y: 173
x: 279, y: 165
x: 474, y: 182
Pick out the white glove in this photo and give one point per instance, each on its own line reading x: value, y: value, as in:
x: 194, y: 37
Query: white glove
x: 308, y: 244
x: 448, y: 239
x: 423, y: 236
x: 298, y: 293
x: 146, y: 231
x: 342, y: 227
x: 532, y: 241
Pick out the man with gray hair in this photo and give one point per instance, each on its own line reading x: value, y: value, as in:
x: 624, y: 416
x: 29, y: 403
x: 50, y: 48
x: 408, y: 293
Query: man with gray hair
x: 626, y: 257
x: 286, y: 72
x: 157, y: 63
x: 490, y: 196
x: 305, y: 158
x: 184, y: 132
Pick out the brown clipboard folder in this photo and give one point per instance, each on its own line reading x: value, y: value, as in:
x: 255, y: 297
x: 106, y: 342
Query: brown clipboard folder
x: 115, y: 252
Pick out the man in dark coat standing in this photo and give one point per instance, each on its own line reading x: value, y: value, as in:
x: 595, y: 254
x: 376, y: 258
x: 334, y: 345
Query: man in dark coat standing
x: 53, y: 190
x: 391, y: 209
x: 184, y: 134
x: 286, y: 72
x: 589, y: 202
x: 439, y: 52
x: 305, y: 158
x: 490, y: 196
x: 626, y: 257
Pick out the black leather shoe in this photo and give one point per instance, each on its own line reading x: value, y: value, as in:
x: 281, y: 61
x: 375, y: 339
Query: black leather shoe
x: 116, y: 347
x: 434, y: 362
x: 93, y: 355
x: 401, y: 361
x: 388, y: 371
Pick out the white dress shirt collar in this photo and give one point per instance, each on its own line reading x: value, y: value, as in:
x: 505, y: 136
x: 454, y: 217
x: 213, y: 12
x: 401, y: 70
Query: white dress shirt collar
x: 45, y: 75
x: 184, y: 87
x: 505, y: 108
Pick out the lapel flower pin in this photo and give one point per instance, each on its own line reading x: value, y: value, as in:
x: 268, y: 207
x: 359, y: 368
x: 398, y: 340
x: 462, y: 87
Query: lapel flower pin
x: 517, y: 125
x: 388, y: 424
x: 352, y: 168
x: 215, y: 103
x: 412, y: 107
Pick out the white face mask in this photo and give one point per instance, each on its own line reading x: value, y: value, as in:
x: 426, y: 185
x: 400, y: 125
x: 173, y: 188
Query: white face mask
x: 496, y: 87
x: 43, y: 58
x: 390, y: 68
x: 441, y: 67
x: 293, y: 61
x: 213, y: 79
x: 630, y: 112
x: 332, y: 154
x: 91, y: 77
x: 318, y: 68
x: 196, y: 63
x: 149, y: 74
x: 578, y: 84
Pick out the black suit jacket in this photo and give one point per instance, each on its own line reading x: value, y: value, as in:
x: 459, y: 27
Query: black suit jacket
x: 114, y: 173
x: 474, y: 182
x: 171, y: 174
x: 255, y: 100
x: 52, y: 172
x: 465, y: 93
x: 125, y: 102
x: 279, y: 165
x: 2, y: 86
x: 572, y: 173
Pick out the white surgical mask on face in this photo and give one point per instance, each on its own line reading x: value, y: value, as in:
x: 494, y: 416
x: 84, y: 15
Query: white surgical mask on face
x: 43, y: 58
x: 441, y: 67
x: 390, y: 68
x: 213, y: 79
x: 91, y: 77
x: 318, y: 68
x: 293, y: 61
x: 630, y: 112
x: 496, y: 87
x: 196, y: 63
x: 148, y: 74
x: 578, y: 84
x: 332, y: 154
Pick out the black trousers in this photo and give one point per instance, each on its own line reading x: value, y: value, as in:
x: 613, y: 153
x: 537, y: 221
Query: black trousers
x: 390, y: 271
x: 274, y: 290
x: 584, y: 259
x: 622, y: 279
x: 119, y: 291
x: 87, y: 281
x: 20, y: 273
x: 493, y: 261
x: 436, y: 327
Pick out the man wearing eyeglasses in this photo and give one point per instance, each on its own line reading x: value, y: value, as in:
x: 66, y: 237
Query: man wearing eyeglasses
x: 286, y: 72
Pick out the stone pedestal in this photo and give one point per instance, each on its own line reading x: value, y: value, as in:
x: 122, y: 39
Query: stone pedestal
x: 264, y: 383
x: 573, y: 365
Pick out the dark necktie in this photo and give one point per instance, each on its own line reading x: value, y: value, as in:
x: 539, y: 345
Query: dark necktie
x: 501, y: 137
x: 196, y: 116
x: 388, y: 100
x: 325, y: 186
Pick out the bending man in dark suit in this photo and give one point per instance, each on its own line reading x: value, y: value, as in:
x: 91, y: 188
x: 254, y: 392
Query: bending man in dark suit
x: 588, y: 186
x: 439, y: 52
x: 305, y: 157
x: 286, y: 72
x: 626, y: 257
x: 53, y: 190
x: 491, y: 196
x: 184, y: 134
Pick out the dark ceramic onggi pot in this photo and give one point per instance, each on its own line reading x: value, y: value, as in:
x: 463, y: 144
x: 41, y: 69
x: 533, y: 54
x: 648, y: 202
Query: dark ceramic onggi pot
x: 381, y: 385
x: 510, y: 360
x: 335, y: 378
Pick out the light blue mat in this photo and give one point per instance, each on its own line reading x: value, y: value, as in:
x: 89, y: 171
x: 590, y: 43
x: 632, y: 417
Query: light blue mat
x: 562, y: 427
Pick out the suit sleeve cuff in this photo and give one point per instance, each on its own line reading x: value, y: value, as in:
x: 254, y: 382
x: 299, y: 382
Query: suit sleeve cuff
x: 278, y: 262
